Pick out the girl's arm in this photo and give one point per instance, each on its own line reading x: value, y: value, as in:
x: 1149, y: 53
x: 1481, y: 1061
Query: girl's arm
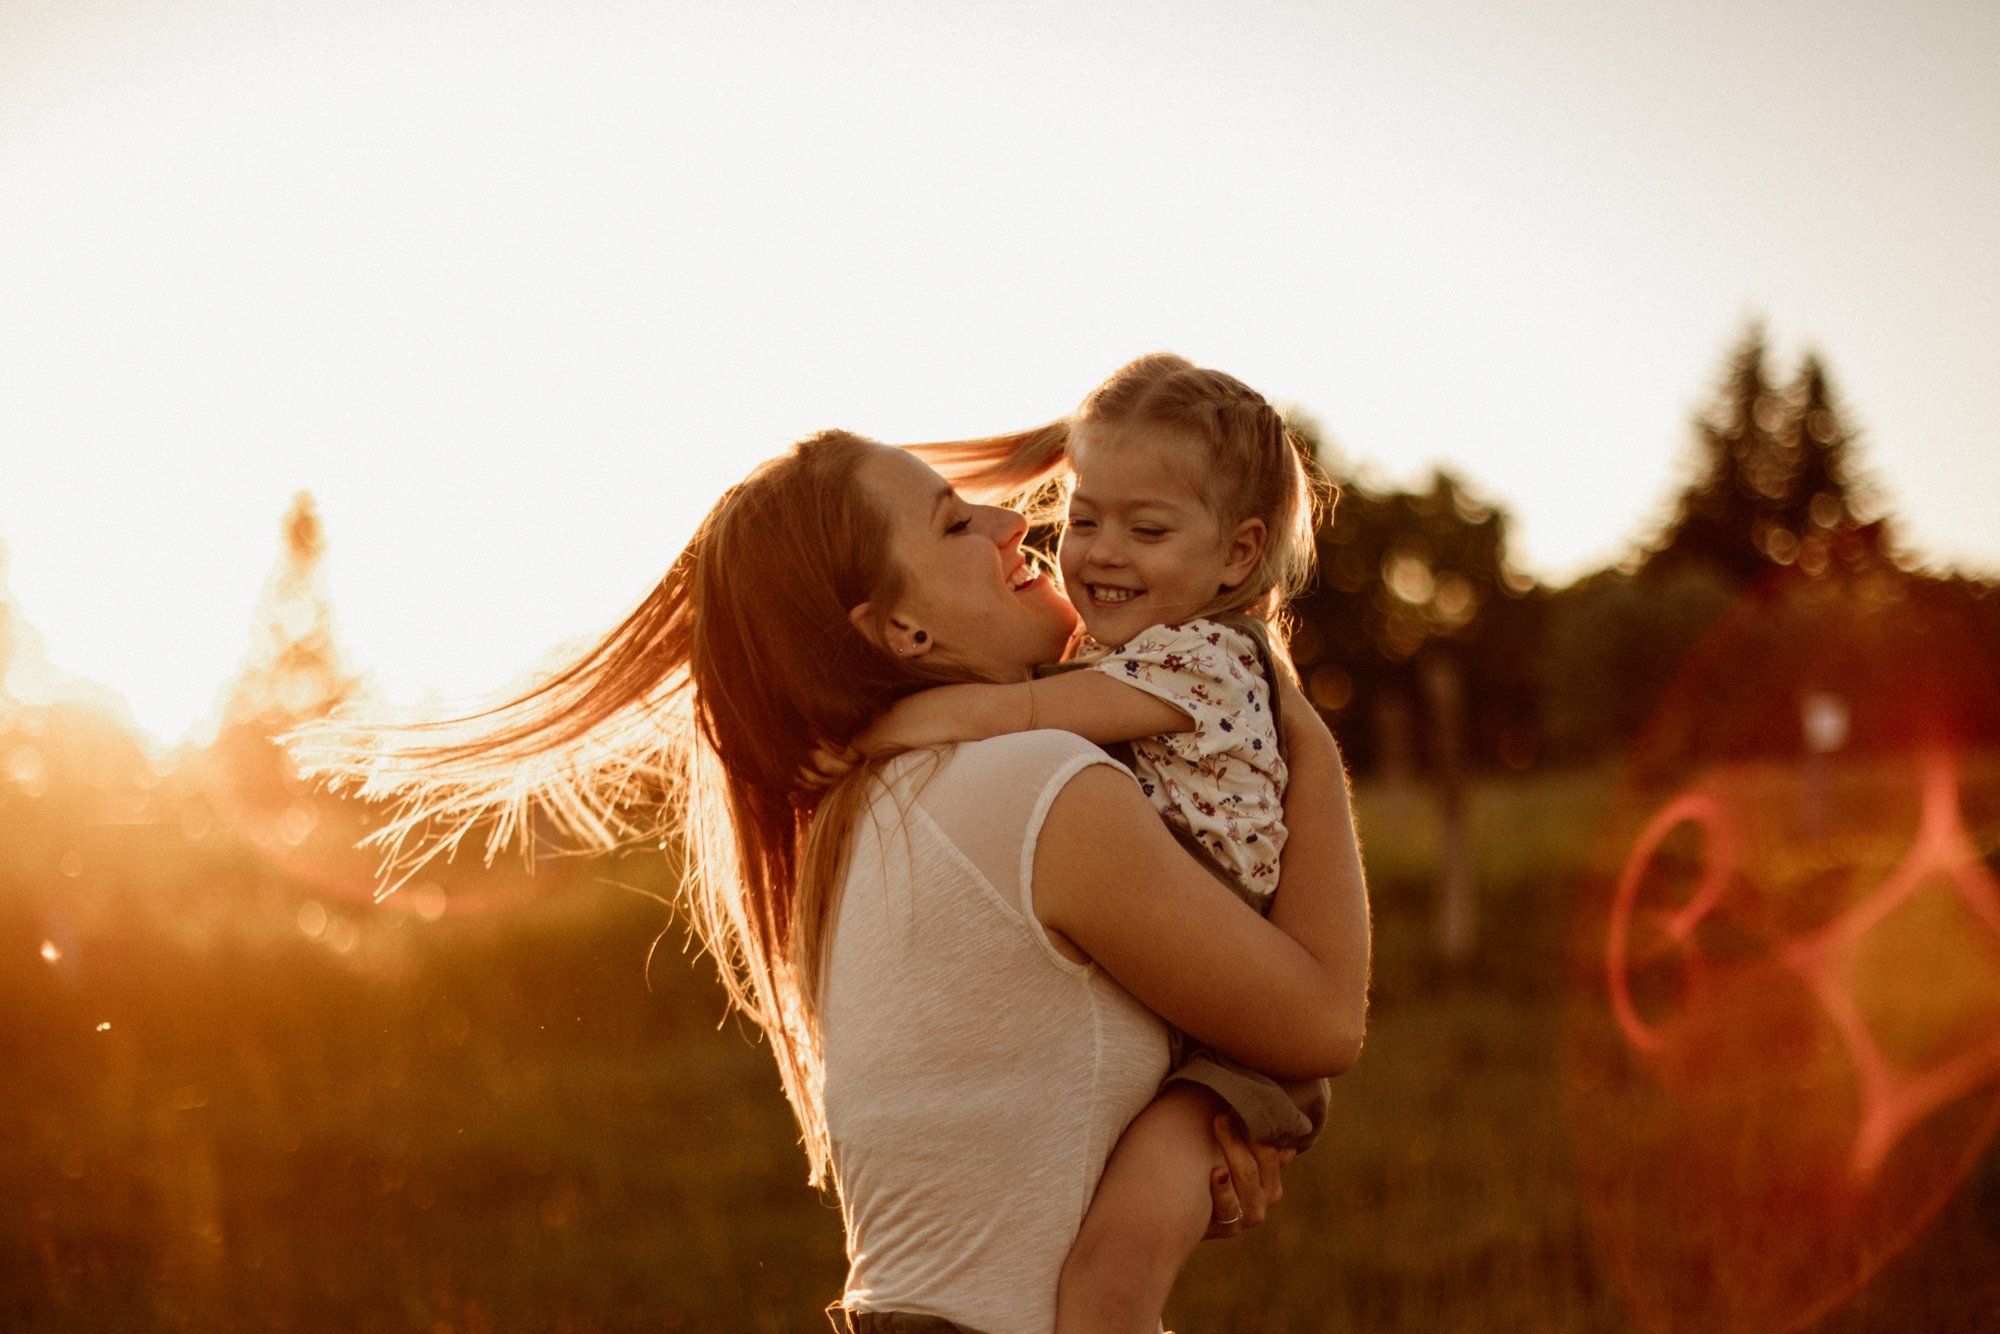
x: 1094, y: 706
x: 1287, y: 997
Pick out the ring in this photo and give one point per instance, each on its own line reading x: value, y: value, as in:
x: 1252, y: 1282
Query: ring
x: 1233, y: 1219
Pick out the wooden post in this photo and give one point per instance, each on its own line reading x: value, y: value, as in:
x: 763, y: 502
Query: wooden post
x: 1456, y: 920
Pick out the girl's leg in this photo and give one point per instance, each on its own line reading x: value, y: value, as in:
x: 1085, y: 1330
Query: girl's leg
x: 1151, y: 1209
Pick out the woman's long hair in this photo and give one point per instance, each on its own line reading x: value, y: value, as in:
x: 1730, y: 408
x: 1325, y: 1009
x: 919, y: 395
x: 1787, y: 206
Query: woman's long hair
x: 695, y: 717
x: 692, y: 720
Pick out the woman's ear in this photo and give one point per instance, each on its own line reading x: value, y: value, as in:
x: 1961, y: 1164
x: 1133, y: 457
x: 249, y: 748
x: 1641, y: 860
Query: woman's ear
x: 897, y: 634
x: 1245, y: 548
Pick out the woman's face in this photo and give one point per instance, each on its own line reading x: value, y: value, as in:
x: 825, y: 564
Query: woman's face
x: 971, y: 601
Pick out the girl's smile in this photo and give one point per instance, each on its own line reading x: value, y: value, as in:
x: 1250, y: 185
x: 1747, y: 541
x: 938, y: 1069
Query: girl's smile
x: 1142, y: 547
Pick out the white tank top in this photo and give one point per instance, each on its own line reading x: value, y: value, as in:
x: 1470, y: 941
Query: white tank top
x: 976, y: 1078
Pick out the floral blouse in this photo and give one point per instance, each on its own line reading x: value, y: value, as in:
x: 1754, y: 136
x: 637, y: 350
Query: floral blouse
x: 1223, y: 781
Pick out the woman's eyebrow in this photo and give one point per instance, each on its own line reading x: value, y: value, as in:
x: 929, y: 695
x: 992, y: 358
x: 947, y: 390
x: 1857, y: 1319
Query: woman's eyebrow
x: 944, y: 496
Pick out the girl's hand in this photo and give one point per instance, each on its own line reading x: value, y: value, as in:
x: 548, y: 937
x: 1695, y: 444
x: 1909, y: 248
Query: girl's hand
x: 825, y: 767
x: 1244, y: 1191
x: 928, y: 718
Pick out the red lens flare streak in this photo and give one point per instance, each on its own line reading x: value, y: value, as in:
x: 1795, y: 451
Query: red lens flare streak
x: 1892, y: 1100
x: 1795, y: 1103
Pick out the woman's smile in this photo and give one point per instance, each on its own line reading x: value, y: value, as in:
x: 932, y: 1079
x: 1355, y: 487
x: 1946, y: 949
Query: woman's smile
x: 984, y: 605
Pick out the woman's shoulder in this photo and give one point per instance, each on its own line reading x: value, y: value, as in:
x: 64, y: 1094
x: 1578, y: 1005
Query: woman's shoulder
x: 1006, y: 782
x: 989, y: 799
x: 1027, y: 757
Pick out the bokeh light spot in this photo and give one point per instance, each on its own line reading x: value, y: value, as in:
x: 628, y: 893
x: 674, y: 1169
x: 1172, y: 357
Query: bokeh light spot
x: 312, y: 919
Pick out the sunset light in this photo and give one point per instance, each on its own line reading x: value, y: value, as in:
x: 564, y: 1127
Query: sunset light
x: 414, y: 851
x: 516, y: 291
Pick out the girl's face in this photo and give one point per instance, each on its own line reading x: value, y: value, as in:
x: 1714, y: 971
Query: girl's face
x: 1142, y: 547
x: 971, y: 602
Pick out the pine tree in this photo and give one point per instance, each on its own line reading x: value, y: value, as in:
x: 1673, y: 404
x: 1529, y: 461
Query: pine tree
x: 1726, y: 516
x: 1827, y: 501
x: 1776, y: 484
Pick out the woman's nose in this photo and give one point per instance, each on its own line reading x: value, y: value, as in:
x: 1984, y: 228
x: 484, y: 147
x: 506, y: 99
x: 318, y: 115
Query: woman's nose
x: 1007, y: 527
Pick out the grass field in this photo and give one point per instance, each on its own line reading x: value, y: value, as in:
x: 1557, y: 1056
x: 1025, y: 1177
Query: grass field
x: 232, y: 1098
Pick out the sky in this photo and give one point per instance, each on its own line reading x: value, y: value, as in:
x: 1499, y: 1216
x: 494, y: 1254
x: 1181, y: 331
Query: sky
x: 515, y: 288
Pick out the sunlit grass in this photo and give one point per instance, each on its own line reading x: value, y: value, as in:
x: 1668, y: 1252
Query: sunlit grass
x: 220, y: 1111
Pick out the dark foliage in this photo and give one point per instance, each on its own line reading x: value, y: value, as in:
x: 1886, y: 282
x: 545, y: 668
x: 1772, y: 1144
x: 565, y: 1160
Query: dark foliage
x: 1775, y: 583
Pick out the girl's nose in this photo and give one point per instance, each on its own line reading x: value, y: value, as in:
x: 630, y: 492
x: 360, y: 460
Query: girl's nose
x: 1104, y: 550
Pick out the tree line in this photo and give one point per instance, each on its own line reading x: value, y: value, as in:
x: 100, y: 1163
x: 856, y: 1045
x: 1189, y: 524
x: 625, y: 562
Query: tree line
x: 1777, y: 581
x: 1776, y: 588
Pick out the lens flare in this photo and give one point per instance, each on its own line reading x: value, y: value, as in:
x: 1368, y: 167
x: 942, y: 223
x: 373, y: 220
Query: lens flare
x: 1790, y: 1060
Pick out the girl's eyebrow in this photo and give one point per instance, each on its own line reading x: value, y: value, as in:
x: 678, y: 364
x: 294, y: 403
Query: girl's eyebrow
x: 1168, y: 504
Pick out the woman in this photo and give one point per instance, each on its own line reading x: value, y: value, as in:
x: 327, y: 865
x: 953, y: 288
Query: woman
x: 963, y: 961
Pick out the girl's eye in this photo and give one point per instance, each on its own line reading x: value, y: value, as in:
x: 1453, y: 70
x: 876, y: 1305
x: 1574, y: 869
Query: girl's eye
x: 1080, y: 525
x: 1150, y: 532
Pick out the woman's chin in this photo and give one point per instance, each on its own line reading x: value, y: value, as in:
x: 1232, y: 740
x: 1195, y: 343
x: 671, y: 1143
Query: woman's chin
x: 1053, y: 610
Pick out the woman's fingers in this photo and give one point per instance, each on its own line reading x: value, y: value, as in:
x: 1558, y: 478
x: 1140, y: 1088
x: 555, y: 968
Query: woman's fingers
x: 1249, y: 1183
x: 1226, y: 1216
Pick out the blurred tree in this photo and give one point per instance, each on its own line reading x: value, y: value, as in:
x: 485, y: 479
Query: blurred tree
x: 1743, y: 477
x: 1407, y: 577
x: 1776, y: 528
x: 1393, y: 634
x: 1825, y: 517
x: 1613, y: 645
x: 1775, y: 482
x: 294, y: 671
x: 1776, y: 504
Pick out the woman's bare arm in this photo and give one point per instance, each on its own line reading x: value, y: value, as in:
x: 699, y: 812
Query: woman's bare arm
x: 1322, y: 899
x: 1111, y: 880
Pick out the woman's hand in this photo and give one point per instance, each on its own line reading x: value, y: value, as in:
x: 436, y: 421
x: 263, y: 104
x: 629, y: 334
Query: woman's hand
x: 1244, y: 1191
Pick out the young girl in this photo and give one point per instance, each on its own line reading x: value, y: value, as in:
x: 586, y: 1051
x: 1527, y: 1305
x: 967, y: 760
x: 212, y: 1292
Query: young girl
x: 1190, y: 519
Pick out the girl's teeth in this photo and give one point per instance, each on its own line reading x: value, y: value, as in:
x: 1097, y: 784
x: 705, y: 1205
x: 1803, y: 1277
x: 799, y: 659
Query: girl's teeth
x: 1113, y: 594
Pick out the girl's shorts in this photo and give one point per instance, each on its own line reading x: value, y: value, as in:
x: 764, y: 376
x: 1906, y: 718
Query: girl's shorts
x: 1284, y: 1113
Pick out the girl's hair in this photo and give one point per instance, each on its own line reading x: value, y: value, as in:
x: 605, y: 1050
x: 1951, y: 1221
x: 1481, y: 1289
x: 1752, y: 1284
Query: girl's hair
x: 694, y: 718
x: 1257, y: 467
